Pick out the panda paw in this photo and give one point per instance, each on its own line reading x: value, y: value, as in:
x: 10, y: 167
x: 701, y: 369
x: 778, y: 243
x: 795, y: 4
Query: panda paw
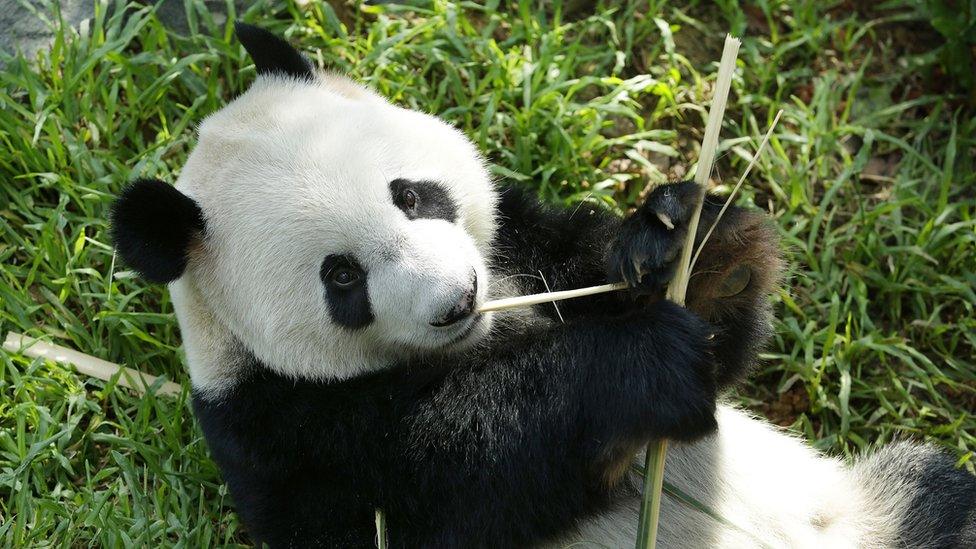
x: 644, y: 254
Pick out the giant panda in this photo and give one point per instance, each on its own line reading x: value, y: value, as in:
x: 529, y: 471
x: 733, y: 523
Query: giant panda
x: 327, y: 253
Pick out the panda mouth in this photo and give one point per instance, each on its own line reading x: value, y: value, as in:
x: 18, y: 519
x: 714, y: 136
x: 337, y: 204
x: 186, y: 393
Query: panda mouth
x: 473, y: 323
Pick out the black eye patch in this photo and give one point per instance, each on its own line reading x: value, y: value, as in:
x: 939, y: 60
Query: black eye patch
x: 345, y: 291
x: 423, y: 199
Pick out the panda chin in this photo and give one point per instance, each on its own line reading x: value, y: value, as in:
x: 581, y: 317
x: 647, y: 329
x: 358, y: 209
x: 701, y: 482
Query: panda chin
x: 469, y: 334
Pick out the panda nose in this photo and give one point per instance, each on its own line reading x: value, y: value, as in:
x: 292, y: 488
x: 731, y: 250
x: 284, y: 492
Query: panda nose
x: 461, y: 309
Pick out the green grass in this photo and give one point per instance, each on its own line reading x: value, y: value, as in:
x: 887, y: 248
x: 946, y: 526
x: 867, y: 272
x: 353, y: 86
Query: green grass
x: 869, y: 176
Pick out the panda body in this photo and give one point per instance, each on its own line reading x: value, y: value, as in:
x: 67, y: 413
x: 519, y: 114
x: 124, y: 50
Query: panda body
x: 326, y: 252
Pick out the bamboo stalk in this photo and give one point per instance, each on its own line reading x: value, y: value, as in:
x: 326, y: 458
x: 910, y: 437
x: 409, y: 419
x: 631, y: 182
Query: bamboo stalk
x: 679, y: 286
x: 382, y: 536
x: 86, y: 364
x: 655, y: 458
x: 535, y: 299
x: 656, y: 453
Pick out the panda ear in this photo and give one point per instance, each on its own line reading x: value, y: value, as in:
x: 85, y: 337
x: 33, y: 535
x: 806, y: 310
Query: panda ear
x: 153, y: 226
x: 271, y: 54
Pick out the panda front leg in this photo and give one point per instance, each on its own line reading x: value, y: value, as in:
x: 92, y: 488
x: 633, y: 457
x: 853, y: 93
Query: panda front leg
x: 737, y: 271
x: 512, y: 445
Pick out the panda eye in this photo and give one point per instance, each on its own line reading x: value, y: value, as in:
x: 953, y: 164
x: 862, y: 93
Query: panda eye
x: 423, y: 200
x: 344, y: 277
x: 409, y: 199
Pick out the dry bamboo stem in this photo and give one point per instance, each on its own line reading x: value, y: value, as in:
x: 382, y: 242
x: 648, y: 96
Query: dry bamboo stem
x: 535, y: 299
x: 679, y: 286
x: 657, y: 451
x: 87, y: 364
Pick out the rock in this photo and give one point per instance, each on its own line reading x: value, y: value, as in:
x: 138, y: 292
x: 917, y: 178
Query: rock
x: 28, y: 29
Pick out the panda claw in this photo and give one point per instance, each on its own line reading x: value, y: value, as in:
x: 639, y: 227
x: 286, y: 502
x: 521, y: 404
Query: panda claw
x: 666, y: 220
x: 638, y: 272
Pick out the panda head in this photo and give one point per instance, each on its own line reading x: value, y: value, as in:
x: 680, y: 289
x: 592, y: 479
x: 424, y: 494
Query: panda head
x: 317, y: 225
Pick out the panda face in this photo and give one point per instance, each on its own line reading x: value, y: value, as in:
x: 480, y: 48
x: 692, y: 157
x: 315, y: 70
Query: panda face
x: 342, y: 232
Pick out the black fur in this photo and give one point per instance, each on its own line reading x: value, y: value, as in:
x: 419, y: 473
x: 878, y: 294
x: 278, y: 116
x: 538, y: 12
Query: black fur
x: 432, y: 200
x: 271, y: 54
x: 153, y: 226
x: 348, y: 306
x: 941, y: 512
x: 945, y: 501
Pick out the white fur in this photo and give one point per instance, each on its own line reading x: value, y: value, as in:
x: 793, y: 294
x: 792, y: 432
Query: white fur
x: 771, y: 487
x: 292, y: 171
